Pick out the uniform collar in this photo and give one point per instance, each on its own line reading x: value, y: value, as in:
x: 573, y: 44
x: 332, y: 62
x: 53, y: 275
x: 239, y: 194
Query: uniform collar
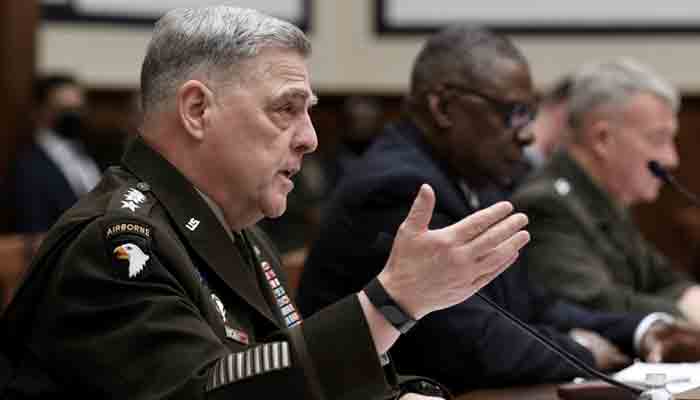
x: 218, y: 212
x: 596, y: 198
x: 196, y: 222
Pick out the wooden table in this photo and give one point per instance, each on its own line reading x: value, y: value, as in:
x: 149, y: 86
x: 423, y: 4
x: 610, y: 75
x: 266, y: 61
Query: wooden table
x: 535, y: 392
x: 542, y: 392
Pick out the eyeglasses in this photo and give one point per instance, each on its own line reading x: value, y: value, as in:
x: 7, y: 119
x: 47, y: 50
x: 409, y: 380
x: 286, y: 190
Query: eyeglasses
x: 515, y: 115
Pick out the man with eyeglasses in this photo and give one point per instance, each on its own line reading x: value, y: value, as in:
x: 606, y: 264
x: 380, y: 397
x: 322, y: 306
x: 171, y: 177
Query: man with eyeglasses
x: 471, y: 96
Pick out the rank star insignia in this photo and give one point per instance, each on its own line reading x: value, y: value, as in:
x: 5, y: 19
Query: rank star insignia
x: 130, y: 205
x: 134, y: 255
x: 132, y: 199
x: 135, y: 196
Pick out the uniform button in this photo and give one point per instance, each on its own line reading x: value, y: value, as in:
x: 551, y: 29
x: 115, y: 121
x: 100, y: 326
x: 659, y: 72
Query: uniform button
x: 143, y: 186
x: 562, y: 186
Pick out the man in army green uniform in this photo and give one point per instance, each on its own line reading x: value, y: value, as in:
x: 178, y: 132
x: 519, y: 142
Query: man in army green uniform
x: 586, y: 246
x: 158, y: 285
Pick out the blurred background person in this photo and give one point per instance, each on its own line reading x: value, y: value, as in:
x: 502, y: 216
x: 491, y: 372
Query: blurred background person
x: 586, y: 247
x: 471, y: 100
x: 362, y: 118
x: 56, y: 169
x: 549, y: 127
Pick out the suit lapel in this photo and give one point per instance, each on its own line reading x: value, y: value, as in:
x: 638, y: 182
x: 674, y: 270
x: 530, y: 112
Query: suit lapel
x: 451, y: 198
x: 197, y: 223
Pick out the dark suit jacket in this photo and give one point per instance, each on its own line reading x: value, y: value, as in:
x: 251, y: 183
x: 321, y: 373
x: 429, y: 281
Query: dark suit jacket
x: 138, y: 292
x: 468, y: 345
x: 587, y: 249
x: 39, y: 192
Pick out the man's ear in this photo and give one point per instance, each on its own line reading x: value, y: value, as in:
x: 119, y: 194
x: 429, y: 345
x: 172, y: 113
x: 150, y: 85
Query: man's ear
x: 193, y: 99
x: 438, y: 110
x: 601, y: 138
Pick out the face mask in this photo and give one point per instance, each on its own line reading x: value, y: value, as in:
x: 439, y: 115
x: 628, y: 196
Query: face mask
x: 69, y: 124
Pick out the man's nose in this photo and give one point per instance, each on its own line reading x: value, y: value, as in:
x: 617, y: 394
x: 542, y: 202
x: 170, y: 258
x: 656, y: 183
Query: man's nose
x: 306, y: 139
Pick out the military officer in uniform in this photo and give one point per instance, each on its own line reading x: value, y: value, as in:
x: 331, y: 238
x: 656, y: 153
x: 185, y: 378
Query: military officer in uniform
x: 586, y: 247
x: 158, y: 285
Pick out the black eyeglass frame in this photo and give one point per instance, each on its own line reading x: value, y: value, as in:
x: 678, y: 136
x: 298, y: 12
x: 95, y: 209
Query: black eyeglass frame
x: 511, y: 112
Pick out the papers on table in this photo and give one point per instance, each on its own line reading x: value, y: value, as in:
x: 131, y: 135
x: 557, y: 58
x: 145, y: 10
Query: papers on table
x: 678, y: 377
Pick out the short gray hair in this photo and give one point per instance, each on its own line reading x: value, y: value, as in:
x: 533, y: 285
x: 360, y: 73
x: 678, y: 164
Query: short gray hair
x: 465, y: 51
x: 613, y: 83
x: 212, y: 40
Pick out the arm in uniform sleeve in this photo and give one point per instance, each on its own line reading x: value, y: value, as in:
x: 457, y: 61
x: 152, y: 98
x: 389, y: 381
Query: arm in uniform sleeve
x: 562, y: 259
x: 470, y: 345
x: 619, y: 328
x: 122, y: 331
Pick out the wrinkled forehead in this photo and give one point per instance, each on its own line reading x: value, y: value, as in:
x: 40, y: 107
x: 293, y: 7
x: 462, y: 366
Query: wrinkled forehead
x: 508, y: 79
x: 284, y: 71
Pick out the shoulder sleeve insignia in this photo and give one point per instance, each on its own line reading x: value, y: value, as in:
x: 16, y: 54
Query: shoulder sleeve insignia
x: 132, y: 254
x: 129, y: 247
x: 128, y: 227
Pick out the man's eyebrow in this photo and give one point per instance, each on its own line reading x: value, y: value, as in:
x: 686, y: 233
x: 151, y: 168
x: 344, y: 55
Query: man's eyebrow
x: 303, y: 94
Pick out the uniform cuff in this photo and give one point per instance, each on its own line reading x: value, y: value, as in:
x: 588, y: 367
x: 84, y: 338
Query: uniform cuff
x: 646, y: 323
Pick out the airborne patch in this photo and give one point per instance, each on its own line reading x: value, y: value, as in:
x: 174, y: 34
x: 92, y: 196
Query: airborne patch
x: 128, y: 246
x: 130, y: 227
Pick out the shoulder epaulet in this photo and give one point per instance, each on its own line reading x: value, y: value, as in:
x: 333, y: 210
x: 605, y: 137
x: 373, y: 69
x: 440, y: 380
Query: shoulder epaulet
x: 127, y: 233
x: 136, y: 199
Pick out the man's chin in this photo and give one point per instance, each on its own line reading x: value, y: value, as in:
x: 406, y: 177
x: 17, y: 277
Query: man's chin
x: 275, y: 209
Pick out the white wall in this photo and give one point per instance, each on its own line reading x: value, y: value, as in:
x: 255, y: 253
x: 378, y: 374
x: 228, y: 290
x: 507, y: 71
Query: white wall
x: 350, y: 56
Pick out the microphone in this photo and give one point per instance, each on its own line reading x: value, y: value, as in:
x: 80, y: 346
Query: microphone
x: 568, y: 357
x: 661, y: 173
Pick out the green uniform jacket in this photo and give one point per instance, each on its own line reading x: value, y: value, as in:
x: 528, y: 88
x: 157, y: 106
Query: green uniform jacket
x: 139, y: 292
x: 587, y: 249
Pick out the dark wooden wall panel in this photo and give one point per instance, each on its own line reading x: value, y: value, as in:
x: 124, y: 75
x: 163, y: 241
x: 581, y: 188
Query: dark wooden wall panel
x: 18, y: 24
x: 671, y: 222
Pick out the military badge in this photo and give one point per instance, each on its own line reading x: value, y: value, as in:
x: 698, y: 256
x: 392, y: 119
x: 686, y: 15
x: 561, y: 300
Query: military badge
x: 133, y: 254
x: 133, y: 199
x: 562, y: 186
x: 219, y: 306
x: 231, y: 333
x: 237, y: 335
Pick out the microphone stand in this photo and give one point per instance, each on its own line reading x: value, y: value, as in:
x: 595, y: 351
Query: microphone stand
x: 661, y: 173
x: 568, y: 357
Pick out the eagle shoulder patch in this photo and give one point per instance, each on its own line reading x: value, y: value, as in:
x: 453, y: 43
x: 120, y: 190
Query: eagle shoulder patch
x: 128, y: 245
x: 133, y: 254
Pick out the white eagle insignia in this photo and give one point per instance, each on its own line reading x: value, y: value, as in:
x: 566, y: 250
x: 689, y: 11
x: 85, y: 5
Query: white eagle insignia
x: 136, y: 257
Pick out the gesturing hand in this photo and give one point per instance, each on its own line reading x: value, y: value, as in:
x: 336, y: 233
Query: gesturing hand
x: 429, y: 270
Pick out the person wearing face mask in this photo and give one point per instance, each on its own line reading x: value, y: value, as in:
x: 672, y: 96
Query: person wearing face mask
x: 56, y: 169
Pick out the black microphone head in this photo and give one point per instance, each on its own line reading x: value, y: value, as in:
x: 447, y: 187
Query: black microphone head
x: 658, y: 171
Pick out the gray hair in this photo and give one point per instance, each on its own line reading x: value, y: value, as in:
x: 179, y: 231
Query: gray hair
x: 462, y: 53
x: 467, y: 52
x: 612, y: 84
x: 211, y: 40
